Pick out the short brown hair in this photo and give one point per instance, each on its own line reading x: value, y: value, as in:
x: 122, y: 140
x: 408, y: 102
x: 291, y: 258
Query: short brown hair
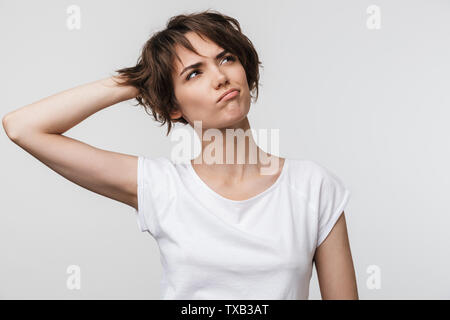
x: 152, y: 75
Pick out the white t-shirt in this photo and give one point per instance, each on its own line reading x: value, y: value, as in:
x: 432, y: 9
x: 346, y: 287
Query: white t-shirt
x: 212, y: 247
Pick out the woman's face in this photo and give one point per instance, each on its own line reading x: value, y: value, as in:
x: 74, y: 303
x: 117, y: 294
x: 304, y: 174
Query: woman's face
x: 198, y: 89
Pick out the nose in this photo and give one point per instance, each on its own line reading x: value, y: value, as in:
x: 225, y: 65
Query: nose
x: 220, y: 79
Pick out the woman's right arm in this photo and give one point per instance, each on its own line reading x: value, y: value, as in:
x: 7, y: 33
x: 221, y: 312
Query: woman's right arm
x: 38, y: 129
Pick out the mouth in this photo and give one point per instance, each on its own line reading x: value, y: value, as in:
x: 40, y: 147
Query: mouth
x: 229, y: 94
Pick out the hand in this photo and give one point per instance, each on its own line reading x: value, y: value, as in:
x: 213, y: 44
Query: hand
x: 127, y: 91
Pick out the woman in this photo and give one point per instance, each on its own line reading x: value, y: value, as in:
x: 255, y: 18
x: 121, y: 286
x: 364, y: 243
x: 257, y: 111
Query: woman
x: 225, y: 230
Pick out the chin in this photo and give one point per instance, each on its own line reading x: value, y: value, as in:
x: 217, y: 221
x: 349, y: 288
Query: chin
x: 235, y: 121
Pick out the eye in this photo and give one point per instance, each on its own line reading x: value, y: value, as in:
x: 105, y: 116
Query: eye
x: 229, y: 57
x: 189, y: 75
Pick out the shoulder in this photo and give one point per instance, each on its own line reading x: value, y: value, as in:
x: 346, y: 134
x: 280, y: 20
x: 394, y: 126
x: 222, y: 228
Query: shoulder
x: 155, y: 160
x: 305, y: 173
x: 157, y: 170
x: 314, y: 181
x: 156, y: 164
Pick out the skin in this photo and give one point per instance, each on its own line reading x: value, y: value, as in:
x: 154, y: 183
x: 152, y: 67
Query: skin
x: 198, y: 97
x: 334, y: 265
x: 39, y: 129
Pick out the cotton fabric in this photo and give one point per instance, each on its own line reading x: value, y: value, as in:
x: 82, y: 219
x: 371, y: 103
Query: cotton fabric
x: 212, y: 247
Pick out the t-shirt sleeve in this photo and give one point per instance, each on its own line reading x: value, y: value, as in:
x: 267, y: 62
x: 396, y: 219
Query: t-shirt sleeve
x: 333, y: 197
x: 151, y: 193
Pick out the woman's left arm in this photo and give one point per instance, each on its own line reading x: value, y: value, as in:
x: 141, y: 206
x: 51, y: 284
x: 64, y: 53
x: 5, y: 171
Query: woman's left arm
x: 334, y: 265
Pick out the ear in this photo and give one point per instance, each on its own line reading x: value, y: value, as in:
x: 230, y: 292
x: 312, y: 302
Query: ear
x: 176, y: 114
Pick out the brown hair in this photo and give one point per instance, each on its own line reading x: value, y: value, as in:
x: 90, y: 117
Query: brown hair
x: 152, y: 75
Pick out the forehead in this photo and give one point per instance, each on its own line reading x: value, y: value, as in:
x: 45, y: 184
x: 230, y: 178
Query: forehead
x: 205, y: 47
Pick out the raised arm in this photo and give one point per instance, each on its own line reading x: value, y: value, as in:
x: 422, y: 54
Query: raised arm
x: 38, y: 128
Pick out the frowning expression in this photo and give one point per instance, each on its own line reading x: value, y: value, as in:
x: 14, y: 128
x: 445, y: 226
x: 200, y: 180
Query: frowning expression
x: 200, y: 80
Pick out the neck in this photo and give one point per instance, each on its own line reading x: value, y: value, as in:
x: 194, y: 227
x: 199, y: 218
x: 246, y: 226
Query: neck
x: 233, y: 151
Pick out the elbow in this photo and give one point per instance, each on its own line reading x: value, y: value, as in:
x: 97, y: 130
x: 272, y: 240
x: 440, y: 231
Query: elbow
x: 6, y: 125
x: 11, y: 129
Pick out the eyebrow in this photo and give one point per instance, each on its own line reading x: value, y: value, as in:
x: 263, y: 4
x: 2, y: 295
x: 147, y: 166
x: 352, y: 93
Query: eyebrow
x: 199, y: 64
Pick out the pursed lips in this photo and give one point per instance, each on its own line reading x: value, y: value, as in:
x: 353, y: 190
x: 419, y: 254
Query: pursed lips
x: 228, y: 92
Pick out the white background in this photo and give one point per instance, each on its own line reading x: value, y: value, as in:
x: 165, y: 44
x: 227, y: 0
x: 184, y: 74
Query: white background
x: 370, y: 105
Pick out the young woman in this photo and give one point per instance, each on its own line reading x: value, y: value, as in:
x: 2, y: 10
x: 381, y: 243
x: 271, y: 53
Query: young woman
x: 225, y: 230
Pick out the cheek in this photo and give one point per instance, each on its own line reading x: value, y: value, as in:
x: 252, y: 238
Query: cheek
x: 186, y: 95
x: 195, y: 97
x: 193, y: 101
x: 243, y: 77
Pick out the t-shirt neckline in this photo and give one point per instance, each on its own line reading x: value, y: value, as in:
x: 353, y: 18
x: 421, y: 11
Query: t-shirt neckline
x: 238, y: 202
